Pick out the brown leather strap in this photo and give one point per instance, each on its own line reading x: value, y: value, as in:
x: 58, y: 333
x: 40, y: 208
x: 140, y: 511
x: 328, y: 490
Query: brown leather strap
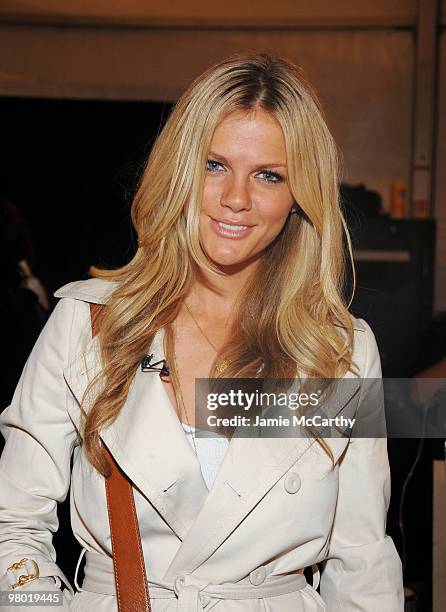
x: 96, y: 312
x: 128, y: 559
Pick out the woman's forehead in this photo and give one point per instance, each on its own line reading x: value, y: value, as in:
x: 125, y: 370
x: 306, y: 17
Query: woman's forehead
x: 256, y: 129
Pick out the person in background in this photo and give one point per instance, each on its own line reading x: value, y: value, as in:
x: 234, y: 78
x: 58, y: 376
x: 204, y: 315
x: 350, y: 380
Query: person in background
x: 24, y: 304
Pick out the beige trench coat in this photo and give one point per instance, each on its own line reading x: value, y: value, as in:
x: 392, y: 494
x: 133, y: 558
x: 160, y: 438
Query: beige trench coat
x: 276, y: 506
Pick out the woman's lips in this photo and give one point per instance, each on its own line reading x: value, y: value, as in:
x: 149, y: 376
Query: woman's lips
x: 229, y: 230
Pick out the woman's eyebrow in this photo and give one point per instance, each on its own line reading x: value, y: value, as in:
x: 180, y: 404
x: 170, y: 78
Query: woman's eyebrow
x: 223, y: 159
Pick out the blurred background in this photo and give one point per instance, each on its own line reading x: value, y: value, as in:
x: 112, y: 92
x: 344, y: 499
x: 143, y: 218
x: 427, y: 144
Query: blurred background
x: 86, y: 86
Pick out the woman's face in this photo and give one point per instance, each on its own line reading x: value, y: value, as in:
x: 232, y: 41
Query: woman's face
x: 246, y: 199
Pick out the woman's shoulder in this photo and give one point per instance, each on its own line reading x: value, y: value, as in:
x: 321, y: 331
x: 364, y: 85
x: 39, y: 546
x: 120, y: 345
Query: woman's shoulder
x: 365, y: 348
x: 93, y: 290
x: 358, y: 324
x: 72, y: 314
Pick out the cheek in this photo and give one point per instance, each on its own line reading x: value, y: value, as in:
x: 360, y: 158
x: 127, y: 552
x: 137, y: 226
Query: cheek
x: 275, y: 209
x: 211, y: 193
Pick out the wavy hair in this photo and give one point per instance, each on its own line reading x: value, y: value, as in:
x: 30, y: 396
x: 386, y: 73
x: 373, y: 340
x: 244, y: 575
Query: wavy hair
x: 295, y: 321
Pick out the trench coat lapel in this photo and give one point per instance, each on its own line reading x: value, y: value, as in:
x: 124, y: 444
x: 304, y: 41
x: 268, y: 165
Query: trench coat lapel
x: 149, y: 444
x: 148, y: 441
x: 251, y: 467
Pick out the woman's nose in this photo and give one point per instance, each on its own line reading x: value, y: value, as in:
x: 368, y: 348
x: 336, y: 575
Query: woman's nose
x: 236, y: 194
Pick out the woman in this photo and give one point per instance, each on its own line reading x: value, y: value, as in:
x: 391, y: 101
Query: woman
x: 238, y: 273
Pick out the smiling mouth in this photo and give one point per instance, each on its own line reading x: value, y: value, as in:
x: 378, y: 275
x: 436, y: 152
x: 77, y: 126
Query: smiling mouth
x: 230, y: 230
x: 231, y: 227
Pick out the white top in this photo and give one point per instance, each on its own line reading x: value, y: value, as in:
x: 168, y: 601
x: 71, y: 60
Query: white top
x: 210, y: 451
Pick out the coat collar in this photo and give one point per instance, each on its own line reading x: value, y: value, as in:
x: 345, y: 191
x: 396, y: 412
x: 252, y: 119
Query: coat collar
x: 93, y: 290
x: 98, y: 291
x: 148, y: 442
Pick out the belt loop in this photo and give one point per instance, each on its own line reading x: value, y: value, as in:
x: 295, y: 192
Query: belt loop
x: 317, y: 574
x: 84, y: 550
x: 189, y: 599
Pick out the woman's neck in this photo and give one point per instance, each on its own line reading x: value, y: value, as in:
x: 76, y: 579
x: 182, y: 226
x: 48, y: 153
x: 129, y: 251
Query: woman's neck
x: 214, y: 297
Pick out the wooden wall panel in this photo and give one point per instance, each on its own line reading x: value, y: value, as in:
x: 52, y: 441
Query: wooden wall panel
x: 264, y: 13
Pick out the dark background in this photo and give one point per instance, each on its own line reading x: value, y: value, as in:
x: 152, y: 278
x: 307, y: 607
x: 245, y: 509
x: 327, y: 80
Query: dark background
x: 72, y: 168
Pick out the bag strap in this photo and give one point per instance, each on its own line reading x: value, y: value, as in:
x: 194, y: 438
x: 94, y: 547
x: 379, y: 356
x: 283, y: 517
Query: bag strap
x: 128, y: 559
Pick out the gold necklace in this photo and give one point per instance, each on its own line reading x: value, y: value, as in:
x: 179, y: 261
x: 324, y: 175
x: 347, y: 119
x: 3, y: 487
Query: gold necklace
x: 223, y: 363
x: 182, y: 403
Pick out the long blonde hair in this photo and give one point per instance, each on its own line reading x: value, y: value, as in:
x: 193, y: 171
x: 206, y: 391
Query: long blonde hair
x: 288, y: 323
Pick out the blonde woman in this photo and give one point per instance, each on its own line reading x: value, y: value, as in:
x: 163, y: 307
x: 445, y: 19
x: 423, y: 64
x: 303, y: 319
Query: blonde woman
x: 239, y: 272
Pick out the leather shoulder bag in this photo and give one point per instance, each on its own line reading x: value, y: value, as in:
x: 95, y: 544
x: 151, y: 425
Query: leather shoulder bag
x: 128, y: 560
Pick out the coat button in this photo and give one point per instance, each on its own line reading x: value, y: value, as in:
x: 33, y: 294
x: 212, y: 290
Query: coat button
x: 179, y: 582
x: 292, y: 482
x: 257, y: 576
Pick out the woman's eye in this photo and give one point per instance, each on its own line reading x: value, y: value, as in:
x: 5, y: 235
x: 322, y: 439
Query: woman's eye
x: 266, y: 175
x: 213, y: 165
x: 271, y: 177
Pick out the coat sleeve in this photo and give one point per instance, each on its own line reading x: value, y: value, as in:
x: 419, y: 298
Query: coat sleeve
x: 362, y: 571
x: 35, y: 463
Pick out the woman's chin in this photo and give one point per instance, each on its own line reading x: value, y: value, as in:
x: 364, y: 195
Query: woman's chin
x: 226, y: 262
x: 232, y: 262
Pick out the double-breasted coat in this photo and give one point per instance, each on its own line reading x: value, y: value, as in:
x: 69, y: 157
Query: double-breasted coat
x: 276, y: 507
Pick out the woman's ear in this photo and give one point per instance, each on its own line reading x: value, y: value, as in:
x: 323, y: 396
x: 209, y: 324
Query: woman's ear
x: 294, y: 209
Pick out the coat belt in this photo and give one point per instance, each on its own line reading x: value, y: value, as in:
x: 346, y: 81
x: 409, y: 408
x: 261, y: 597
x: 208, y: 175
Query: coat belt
x: 193, y: 594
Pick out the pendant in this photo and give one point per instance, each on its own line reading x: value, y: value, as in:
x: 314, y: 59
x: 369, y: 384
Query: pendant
x: 222, y: 365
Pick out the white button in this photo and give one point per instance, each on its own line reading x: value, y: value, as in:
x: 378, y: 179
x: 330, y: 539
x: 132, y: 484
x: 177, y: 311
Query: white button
x: 292, y: 482
x: 179, y: 582
x: 257, y: 576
